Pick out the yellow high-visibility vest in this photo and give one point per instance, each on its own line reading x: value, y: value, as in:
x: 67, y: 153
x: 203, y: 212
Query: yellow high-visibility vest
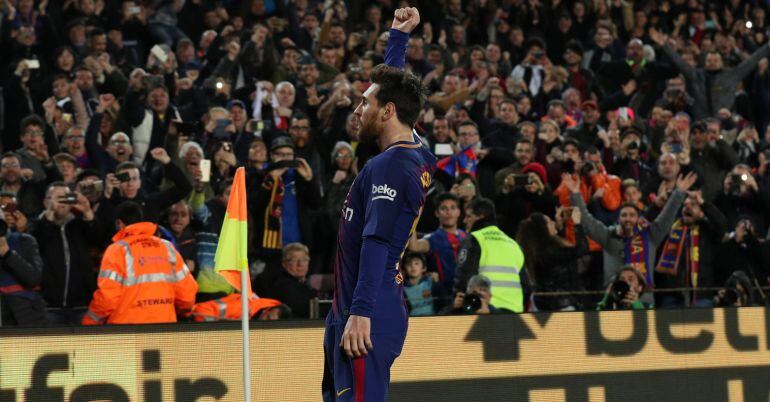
x: 501, y: 261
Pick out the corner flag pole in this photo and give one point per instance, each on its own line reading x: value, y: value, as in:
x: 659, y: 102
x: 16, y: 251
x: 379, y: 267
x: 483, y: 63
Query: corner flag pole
x: 232, y: 256
x: 245, y: 313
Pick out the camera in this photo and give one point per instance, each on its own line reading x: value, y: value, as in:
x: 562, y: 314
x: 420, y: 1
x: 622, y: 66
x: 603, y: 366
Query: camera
x: 521, y: 180
x: 735, y: 185
x: 284, y: 164
x: 89, y: 188
x: 568, y: 166
x: 10, y: 207
x: 187, y: 127
x: 220, y: 130
x: 471, y: 302
x: 123, y: 177
x: 619, y: 290
x: 259, y: 125
x: 729, y: 298
x: 71, y: 199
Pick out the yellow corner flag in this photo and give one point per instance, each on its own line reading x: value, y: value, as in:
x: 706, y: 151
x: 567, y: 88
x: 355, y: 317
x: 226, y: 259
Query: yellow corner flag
x: 232, y: 255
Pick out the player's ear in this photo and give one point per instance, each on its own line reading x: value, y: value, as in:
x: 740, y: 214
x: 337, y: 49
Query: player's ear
x: 389, y: 111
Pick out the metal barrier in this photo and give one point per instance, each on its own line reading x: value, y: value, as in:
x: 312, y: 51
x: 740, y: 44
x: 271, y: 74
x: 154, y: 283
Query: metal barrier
x: 316, y: 304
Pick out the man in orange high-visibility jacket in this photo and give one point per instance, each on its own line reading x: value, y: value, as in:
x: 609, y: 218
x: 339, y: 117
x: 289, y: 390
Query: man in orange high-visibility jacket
x: 143, y: 279
x: 228, y: 308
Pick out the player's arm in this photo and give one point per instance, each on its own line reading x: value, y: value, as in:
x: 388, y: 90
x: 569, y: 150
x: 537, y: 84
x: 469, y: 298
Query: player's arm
x: 392, y: 208
x: 404, y: 21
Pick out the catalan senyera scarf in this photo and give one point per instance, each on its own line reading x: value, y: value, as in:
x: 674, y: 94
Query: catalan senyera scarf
x: 637, y: 251
x: 272, y: 234
x: 682, y: 240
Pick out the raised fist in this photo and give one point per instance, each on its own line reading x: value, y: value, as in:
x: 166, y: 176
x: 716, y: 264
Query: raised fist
x: 406, y: 19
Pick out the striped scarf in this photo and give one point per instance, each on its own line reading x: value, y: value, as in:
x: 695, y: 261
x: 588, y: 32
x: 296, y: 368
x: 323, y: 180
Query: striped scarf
x: 637, y: 248
x: 271, y: 237
x: 680, y: 237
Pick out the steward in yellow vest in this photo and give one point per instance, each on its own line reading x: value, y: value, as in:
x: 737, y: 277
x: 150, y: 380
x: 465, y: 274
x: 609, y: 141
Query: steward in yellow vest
x: 490, y: 252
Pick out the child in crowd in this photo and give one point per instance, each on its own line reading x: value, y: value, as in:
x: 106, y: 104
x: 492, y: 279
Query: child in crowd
x: 419, y: 287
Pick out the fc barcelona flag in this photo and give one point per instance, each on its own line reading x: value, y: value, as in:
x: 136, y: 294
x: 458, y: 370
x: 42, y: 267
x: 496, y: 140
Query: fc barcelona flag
x: 463, y: 162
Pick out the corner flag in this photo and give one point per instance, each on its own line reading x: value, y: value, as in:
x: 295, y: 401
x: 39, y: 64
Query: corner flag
x: 232, y: 262
x: 231, y: 257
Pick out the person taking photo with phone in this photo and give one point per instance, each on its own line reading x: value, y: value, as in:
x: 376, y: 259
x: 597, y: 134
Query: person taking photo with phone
x: 65, y: 233
x: 552, y: 261
x: 20, y: 273
x: 282, y: 208
x: 127, y: 184
x: 523, y: 194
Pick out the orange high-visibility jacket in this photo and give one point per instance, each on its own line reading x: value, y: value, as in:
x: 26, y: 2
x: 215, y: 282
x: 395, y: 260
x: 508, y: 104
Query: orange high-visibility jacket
x: 143, y: 279
x: 229, y: 308
x: 563, y: 193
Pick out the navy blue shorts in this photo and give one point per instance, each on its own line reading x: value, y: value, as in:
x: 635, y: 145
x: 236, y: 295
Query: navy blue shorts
x: 361, y: 379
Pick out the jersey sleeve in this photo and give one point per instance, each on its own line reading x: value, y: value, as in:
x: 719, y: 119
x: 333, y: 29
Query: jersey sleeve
x: 392, y: 208
x: 431, y: 239
x: 395, y: 52
x: 393, y: 199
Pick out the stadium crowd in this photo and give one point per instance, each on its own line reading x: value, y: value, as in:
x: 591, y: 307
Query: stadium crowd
x: 612, y: 139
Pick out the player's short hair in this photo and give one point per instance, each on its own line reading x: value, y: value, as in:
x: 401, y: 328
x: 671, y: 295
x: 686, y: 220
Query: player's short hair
x: 482, y: 207
x: 401, y: 88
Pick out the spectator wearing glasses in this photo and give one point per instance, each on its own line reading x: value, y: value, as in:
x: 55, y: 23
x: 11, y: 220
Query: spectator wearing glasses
x: 73, y: 143
x: 34, y: 152
x: 292, y: 287
x: 118, y: 149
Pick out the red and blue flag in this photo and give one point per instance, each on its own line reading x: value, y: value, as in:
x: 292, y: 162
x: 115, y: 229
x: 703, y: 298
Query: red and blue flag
x: 463, y: 162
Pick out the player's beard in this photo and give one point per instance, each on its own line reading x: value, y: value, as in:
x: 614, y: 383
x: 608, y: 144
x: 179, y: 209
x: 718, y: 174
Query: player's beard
x: 369, y: 131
